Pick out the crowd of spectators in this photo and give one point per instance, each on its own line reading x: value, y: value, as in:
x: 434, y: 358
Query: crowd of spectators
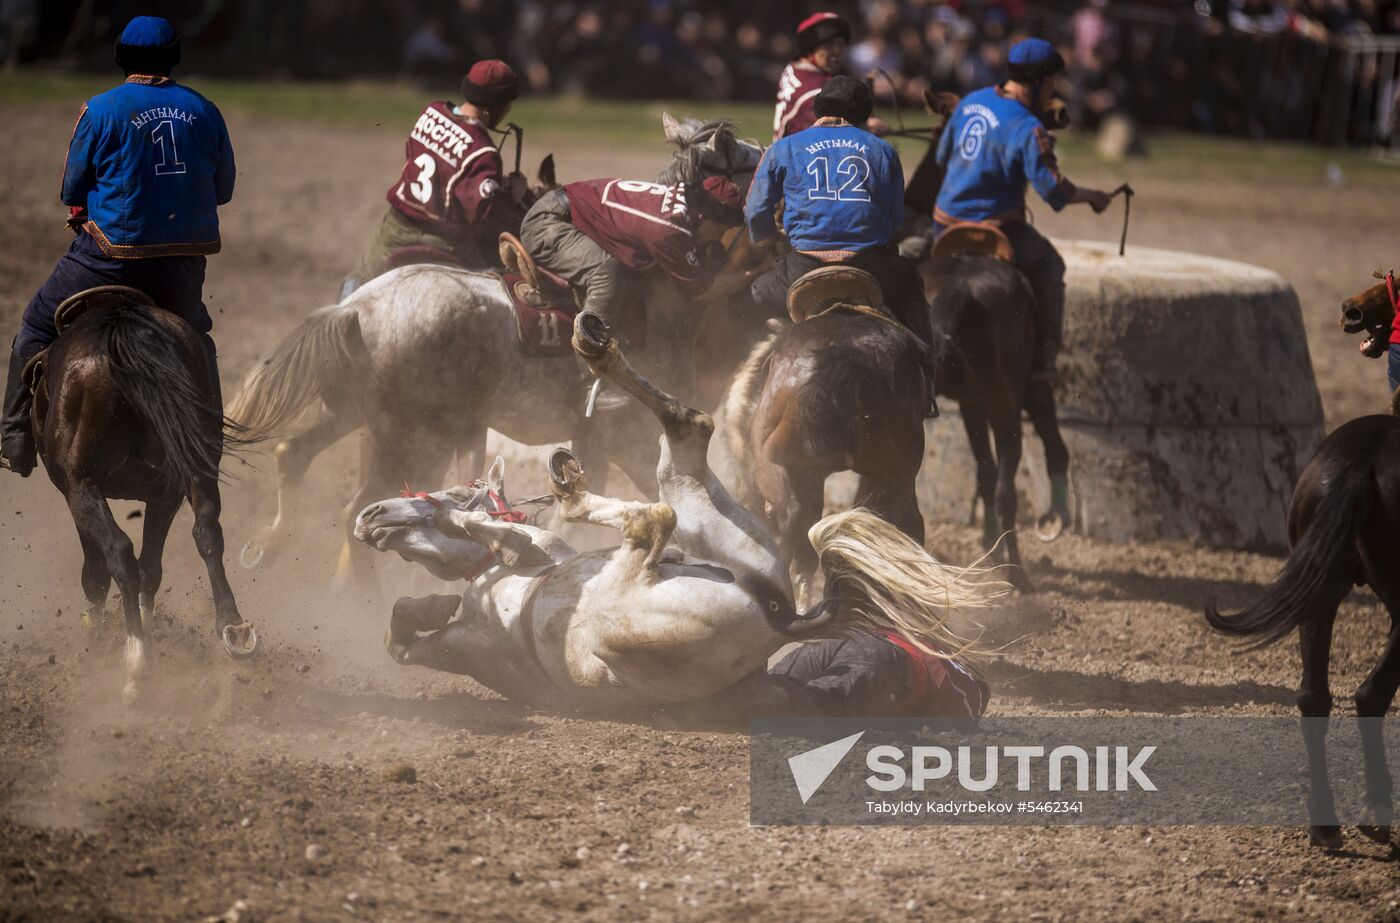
x: 1208, y: 75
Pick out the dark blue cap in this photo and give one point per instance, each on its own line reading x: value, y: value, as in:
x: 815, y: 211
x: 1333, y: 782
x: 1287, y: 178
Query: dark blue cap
x: 148, y: 32
x: 1033, y: 59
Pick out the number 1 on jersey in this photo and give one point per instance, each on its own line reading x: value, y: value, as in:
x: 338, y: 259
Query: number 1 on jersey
x: 161, y: 136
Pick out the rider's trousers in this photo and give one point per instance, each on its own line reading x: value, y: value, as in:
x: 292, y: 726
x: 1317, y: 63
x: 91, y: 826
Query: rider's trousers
x: 554, y: 243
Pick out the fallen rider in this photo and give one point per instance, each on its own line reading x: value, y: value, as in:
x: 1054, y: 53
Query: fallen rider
x: 862, y: 674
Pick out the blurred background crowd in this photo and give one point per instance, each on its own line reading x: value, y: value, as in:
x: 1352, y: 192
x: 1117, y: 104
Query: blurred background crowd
x: 1324, y: 70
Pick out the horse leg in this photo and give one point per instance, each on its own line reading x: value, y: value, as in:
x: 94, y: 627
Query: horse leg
x: 293, y: 456
x: 1315, y: 705
x: 645, y: 527
x: 414, y: 617
x: 1040, y: 405
x: 94, y: 520
x: 975, y: 423
x: 159, y: 515
x: 805, y: 499
x: 709, y: 523
x: 239, y: 638
x: 1373, y: 700
x: 396, y: 458
x: 894, y: 499
x: 97, y: 580
x: 1008, y: 438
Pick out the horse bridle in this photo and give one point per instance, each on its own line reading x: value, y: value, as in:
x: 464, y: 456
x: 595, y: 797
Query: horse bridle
x: 502, y: 511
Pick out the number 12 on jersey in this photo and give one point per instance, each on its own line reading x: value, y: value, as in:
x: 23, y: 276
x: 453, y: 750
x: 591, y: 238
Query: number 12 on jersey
x: 852, y: 173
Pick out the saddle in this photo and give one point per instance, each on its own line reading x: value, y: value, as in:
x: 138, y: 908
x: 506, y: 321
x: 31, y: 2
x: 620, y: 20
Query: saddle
x: 836, y: 288
x: 545, y: 303
x: 975, y: 239
x: 101, y: 297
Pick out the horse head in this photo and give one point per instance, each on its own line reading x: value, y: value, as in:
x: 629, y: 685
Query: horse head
x: 1372, y: 309
x: 708, y: 149
x: 408, y: 526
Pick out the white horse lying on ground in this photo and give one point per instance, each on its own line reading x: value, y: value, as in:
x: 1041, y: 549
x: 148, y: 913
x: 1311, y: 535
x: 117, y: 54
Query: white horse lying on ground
x: 695, y: 599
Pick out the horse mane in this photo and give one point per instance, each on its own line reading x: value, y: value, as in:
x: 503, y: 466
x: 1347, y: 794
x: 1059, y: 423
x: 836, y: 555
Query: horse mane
x: 739, y: 401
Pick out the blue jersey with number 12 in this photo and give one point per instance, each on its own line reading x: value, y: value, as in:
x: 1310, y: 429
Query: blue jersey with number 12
x: 842, y: 188
x: 151, y: 161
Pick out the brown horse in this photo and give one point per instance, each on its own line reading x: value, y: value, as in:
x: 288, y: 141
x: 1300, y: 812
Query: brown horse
x: 1344, y: 527
x: 842, y: 389
x: 126, y: 407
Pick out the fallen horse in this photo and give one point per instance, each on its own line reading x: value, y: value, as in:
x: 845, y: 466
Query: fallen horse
x: 694, y: 600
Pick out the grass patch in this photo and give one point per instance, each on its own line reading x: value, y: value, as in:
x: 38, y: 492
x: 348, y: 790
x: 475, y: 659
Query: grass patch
x: 636, y: 124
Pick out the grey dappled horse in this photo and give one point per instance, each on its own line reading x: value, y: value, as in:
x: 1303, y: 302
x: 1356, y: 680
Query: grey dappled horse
x: 427, y: 357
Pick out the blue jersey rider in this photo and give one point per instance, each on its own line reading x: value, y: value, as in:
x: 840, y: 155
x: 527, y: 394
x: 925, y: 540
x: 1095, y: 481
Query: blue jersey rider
x: 993, y: 146
x: 148, y: 165
x: 842, y: 192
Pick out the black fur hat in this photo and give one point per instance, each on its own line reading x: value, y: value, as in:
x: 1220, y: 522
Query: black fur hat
x: 845, y: 98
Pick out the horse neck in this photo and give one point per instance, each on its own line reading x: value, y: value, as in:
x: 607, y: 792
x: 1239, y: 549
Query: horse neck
x: 922, y: 192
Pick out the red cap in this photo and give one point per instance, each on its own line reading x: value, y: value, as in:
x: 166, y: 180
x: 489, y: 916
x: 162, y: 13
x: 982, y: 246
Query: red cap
x: 490, y: 83
x: 717, y: 199
x: 812, y: 20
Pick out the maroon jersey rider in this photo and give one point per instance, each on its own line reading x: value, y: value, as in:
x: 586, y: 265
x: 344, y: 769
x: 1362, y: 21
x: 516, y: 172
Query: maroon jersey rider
x: 452, y: 200
x: 822, y: 39
x: 593, y: 232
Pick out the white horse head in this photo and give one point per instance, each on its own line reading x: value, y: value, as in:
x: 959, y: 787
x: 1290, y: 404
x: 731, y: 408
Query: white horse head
x: 709, y: 149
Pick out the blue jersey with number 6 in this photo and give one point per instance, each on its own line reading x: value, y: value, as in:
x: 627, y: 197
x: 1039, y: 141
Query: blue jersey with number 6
x: 842, y: 188
x: 991, y: 148
x: 151, y: 161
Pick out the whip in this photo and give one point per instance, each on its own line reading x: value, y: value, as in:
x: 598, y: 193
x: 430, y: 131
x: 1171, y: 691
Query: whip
x: 1127, y: 192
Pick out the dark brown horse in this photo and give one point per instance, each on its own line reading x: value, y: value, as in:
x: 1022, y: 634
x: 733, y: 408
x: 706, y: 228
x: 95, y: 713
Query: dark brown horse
x: 1344, y: 528
x: 126, y: 407
x: 842, y: 389
x: 984, y: 336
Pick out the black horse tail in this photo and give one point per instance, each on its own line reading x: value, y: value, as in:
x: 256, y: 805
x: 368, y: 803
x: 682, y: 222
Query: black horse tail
x: 1327, y: 544
x: 155, y: 374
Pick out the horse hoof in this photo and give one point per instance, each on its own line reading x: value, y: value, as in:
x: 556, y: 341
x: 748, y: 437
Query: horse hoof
x: 251, y: 555
x: 565, y: 471
x: 591, y: 335
x: 1050, y: 526
x: 240, y: 640
x: 1325, y: 837
x: 1380, y: 833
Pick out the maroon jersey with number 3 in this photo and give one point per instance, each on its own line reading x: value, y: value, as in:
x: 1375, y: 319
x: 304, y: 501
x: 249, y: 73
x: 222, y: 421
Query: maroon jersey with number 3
x: 452, y: 178
x: 641, y: 224
x: 797, y: 93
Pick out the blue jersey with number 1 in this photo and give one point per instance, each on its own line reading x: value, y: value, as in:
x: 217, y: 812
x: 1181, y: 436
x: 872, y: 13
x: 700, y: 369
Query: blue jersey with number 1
x: 842, y: 188
x: 151, y: 161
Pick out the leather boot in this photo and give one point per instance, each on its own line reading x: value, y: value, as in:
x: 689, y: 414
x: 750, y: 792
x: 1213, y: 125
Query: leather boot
x: 16, y: 435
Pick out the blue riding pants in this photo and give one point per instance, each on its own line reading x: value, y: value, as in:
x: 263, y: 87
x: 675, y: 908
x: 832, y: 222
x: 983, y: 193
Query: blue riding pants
x: 175, y: 283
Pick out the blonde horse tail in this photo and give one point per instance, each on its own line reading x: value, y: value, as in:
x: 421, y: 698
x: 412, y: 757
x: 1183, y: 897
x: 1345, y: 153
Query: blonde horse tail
x: 739, y: 401
x: 888, y: 582
x: 322, y: 352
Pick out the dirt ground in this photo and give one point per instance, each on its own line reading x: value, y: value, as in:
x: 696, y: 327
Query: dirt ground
x: 214, y: 792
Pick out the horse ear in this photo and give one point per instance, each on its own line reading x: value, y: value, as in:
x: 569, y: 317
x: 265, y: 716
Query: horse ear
x: 1377, y: 274
x: 940, y: 104
x: 546, y: 174
x: 496, y: 476
x: 671, y: 127
x: 713, y: 143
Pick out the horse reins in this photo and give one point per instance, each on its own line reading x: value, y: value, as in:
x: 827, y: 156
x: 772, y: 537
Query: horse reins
x: 1391, y: 290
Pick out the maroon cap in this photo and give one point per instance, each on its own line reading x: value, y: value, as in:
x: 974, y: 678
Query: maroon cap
x: 490, y: 83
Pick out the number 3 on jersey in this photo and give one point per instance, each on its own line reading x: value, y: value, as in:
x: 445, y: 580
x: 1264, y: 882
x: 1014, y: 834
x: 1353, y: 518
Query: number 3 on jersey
x: 422, y: 187
x: 853, y: 171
